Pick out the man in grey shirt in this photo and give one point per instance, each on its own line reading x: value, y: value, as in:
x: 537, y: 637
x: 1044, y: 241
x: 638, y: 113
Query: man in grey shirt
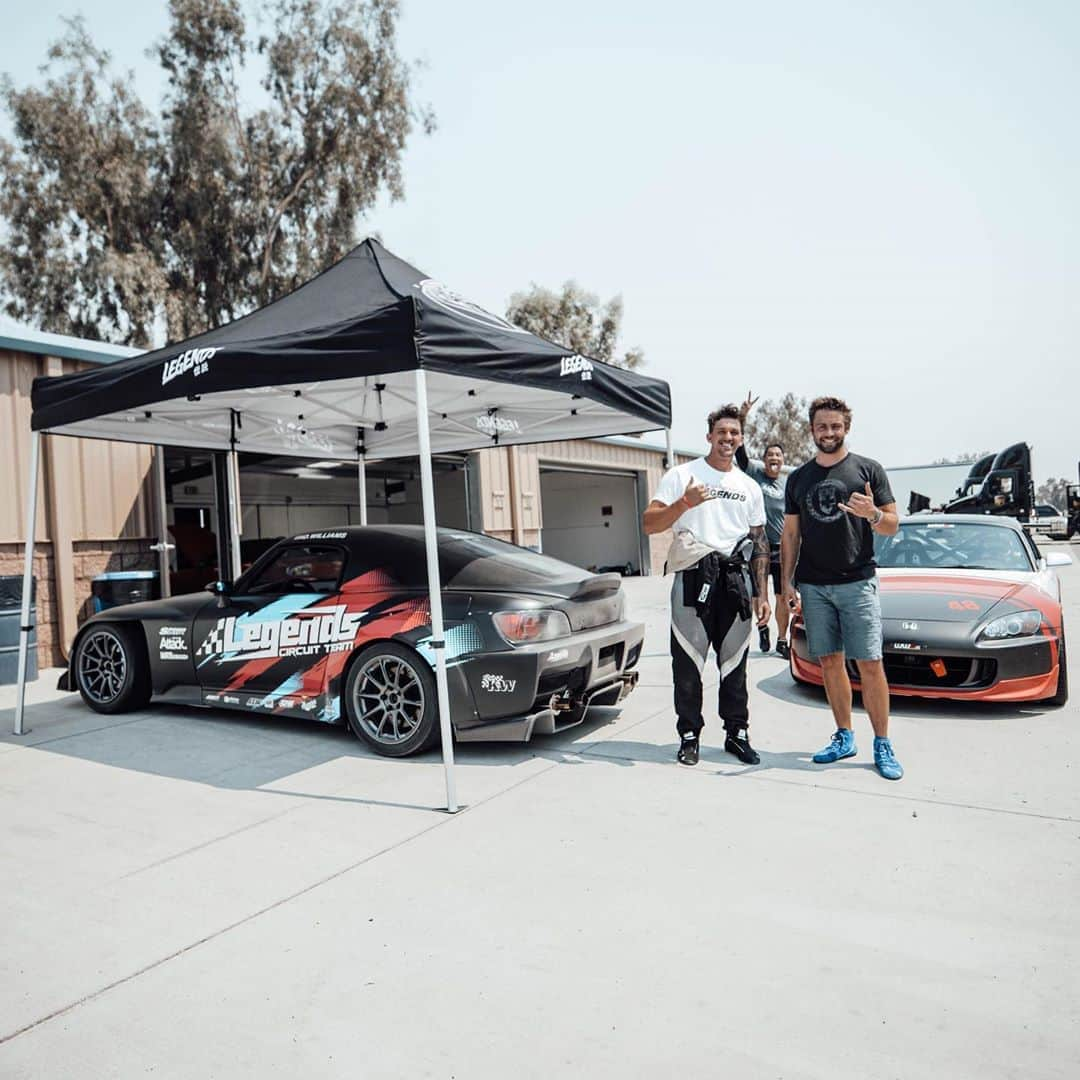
x: 767, y: 473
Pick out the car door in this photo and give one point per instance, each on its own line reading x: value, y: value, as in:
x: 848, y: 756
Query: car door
x: 264, y: 644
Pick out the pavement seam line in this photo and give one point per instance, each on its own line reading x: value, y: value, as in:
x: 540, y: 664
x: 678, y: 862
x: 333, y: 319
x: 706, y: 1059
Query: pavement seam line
x: 93, y: 995
x: 754, y: 775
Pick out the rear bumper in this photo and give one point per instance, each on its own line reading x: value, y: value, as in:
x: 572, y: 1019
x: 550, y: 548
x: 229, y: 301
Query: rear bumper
x: 541, y: 689
x: 550, y: 721
x: 1024, y: 671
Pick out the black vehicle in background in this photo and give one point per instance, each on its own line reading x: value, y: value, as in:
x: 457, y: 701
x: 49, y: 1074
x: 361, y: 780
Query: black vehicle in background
x: 1000, y: 483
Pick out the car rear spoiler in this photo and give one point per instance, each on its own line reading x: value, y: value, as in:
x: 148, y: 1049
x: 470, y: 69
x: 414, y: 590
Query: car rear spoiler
x: 598, y: 585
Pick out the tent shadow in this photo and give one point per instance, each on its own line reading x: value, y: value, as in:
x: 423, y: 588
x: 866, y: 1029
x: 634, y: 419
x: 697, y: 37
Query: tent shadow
x: 237, y: 751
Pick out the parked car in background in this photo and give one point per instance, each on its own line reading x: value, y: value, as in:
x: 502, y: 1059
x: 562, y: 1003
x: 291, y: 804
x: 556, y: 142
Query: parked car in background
x: 1050, y: 521
x: 971, y: 610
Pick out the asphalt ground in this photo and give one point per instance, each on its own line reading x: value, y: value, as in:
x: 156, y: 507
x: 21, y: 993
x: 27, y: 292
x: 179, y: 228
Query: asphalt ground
x: 200, y: 894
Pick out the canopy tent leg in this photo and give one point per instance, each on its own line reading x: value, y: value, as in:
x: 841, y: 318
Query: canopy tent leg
x: 427, y: 487
x: 161, y: 513
x: 670, y: 463
x: 28, y: 579
x: 361, y: 480
x: 235, y: 513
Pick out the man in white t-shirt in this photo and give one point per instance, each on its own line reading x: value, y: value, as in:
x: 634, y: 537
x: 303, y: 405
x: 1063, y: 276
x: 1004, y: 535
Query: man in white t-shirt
x: 718, y: 517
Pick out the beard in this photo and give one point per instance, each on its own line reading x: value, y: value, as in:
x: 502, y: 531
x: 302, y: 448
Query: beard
x: 830, y: 443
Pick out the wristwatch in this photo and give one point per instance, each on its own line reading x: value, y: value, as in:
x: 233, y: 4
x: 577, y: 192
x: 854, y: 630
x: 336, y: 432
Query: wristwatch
x: 877, y: 519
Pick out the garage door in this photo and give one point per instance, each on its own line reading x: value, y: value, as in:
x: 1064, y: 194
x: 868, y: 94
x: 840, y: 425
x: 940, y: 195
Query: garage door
x: 591, y: 518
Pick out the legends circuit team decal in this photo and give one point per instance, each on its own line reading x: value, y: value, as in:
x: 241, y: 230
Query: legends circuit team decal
x: 196, y: 361
x: 302, y: 633
x: 497, y: 425
x: 577, y: 365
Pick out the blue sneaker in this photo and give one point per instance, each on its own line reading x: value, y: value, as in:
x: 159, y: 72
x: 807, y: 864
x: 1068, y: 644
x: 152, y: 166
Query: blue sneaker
x: 885, y: 760
x: 841, y: 745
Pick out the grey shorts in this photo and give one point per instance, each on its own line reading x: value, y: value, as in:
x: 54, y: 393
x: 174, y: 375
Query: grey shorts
x: 843, y: 618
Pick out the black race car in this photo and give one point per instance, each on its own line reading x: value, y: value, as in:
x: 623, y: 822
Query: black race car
x: 335, y: 626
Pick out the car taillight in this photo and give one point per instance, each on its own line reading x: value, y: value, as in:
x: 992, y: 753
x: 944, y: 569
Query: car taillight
x: 525, y: 627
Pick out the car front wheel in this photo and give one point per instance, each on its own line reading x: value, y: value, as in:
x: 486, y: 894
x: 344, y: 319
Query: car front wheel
x: 111, y: 669
x: 390, y: 700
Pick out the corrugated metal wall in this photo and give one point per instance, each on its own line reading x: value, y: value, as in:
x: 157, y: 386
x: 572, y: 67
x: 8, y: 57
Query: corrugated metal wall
x: 105, y: 485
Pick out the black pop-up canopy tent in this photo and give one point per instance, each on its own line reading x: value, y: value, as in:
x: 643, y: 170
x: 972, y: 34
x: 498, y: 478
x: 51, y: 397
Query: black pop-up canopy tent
x: 371, y: 359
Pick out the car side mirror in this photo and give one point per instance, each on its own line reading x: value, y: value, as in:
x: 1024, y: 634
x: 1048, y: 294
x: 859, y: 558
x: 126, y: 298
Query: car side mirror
x: 1058, y: 558
x: 220, y: 590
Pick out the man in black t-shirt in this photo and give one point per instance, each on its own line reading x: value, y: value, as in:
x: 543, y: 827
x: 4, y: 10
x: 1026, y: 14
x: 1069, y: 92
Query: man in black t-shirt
x: 833, y: 506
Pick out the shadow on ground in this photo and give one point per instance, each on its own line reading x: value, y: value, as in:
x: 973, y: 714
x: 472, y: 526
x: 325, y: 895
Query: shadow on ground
x: 240, y: 752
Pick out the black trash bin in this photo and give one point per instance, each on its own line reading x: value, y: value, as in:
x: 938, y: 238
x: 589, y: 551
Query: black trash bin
x: 10, y: 610
x: 123, y: 587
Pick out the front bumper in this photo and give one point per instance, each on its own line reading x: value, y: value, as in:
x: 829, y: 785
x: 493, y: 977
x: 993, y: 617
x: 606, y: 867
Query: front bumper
x: 1025, y: 669
x: 542, y: 689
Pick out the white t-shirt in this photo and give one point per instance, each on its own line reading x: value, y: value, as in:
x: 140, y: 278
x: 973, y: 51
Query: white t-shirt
x: 721, y: 521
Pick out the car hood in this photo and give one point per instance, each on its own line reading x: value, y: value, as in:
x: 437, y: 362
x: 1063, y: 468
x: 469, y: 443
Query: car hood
x: 181, y: 608
x: 945, y: 596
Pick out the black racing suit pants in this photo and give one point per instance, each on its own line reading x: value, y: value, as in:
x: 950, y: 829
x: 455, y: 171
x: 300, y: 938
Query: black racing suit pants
x: 726, y: 627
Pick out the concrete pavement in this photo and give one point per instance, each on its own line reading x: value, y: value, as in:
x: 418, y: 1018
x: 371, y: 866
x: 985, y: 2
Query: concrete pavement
x: 193, y: 894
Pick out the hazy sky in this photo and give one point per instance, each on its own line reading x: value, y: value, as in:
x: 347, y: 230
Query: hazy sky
x: 877, y: 200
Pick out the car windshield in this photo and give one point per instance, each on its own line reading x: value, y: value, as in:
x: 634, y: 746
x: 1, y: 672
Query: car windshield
x: 935, y: 545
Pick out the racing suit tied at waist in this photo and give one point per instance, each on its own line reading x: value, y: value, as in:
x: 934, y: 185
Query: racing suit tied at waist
x: 715, y: 579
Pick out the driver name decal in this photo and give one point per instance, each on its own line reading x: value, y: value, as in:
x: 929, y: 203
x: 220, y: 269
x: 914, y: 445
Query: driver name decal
x: 304, y: 633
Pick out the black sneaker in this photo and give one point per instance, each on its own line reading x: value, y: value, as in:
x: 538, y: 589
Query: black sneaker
x: 739, y: 745
x: 783, y: 649
x: 688, y: 750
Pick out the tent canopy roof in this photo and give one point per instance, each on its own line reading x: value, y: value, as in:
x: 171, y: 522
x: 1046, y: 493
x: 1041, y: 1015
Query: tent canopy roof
x: 328, y: 371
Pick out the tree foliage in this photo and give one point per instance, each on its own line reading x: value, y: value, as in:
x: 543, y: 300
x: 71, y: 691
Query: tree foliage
x: 1053, y: 491
x: 961, y: 459
x: 784, y: 420
x: 575, y: 319
x: 122, y: 221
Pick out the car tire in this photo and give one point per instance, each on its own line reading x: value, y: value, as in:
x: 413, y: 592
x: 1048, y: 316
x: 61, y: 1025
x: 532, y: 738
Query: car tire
x: 391, y: 701
x: 1061, y: 697
x: 112, y: 669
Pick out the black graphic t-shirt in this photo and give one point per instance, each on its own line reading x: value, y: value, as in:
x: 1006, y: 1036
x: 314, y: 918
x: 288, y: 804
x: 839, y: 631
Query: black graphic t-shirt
x: 837, y: 547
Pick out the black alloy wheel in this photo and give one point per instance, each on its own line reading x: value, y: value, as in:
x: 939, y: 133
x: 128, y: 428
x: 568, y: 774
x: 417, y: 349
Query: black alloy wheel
x: 391, y: 701
x: 111, y: 669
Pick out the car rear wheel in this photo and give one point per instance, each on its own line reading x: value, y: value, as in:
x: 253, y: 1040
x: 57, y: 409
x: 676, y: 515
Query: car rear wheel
x: 391, y: 701
x: 1062, y: 695
x: 111, y: 669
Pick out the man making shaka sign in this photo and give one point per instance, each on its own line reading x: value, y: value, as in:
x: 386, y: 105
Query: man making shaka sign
x: 833, y: 506
x: 720, y: 558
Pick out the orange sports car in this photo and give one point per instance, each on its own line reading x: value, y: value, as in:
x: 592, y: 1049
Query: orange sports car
x: 971, y: 609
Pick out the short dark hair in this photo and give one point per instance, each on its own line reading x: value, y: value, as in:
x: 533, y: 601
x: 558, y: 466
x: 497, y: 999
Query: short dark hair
x: 725, y: 412
x: 779, y: 446
x: 830, y: 404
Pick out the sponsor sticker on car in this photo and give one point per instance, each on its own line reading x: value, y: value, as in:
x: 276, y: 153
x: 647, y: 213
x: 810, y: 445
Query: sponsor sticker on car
x: 497, y: 684
x: 173, y: 643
